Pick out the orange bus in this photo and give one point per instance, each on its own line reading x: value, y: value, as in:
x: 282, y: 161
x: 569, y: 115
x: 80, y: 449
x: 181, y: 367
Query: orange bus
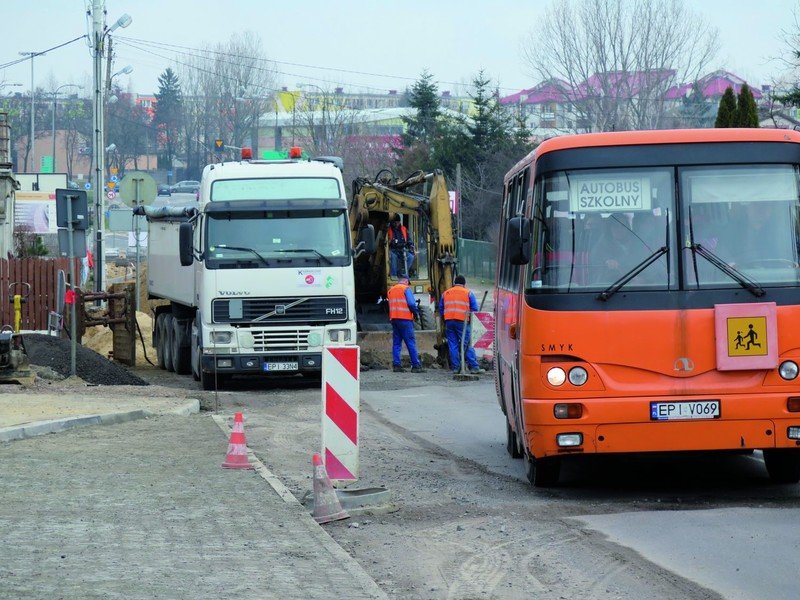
x: 648, y: 297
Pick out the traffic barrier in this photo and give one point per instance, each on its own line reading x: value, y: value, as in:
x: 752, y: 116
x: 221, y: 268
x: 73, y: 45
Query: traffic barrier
x: 340, y: 407
x: 237, y: 446
x: 327, y: 507
x: 483, y: 335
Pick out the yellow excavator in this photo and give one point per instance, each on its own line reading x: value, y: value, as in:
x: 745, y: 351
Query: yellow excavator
x: 428, y: 257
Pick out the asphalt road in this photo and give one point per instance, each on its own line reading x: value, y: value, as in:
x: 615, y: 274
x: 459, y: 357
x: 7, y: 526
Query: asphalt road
x: 643, y: 526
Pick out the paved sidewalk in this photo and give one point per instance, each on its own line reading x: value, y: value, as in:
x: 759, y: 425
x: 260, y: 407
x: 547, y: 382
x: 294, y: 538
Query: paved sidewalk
x: 144, y: 510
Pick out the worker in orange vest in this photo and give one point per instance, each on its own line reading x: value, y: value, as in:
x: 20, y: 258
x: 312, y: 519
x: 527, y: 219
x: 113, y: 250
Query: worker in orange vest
x: 402, y: 311
x: 401, y: 248
x: 454, y: 306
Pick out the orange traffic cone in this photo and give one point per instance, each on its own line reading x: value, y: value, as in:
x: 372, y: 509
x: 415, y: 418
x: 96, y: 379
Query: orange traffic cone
x: 237, y: 446
x: 326, y: 505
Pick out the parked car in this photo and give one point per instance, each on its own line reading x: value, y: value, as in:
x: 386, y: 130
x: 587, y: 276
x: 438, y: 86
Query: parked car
x: 186, y: 187
x: 164, y: 190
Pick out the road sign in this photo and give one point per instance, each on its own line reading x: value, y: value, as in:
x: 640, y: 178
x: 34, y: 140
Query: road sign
x: 219, y: 146
x: 141, y: 181
x: 80, y: 209
x: 87, y: 186
x: 46, y: 164
x: 114, y: 178
x: 114, y: 171
x: 111, y: 184
x: 111, y: 195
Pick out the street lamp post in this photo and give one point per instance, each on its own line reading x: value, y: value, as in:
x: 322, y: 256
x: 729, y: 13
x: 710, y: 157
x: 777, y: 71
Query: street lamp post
x: 33, y: 95
x: 55, y: 103
x: 99, y: 33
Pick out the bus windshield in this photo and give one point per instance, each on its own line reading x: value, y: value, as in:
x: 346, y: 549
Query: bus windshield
x: 594, y: 227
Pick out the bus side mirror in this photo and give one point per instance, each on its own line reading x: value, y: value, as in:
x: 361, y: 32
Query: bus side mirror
x: 366, y: 241
x: 518, y: 241
x: 185, y: 235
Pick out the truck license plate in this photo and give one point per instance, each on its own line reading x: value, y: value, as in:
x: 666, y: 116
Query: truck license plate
x: 684, y: 410
x: 281, y: 366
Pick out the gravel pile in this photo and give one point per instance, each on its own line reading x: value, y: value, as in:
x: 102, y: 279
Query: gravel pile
x: 53, y: 352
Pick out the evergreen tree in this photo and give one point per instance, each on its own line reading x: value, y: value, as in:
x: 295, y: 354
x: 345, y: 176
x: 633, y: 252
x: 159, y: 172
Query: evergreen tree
x: 424, y: 98
x: 726, y: 114
x: 490, y: 128
x: 168, y: 111
x: 746, y: 109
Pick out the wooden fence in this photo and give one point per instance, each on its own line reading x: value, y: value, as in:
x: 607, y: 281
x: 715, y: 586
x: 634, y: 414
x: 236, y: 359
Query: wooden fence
x: 42, y: 275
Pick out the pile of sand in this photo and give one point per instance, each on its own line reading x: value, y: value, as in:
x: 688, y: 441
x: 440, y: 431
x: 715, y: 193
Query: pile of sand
x: 101, y: 339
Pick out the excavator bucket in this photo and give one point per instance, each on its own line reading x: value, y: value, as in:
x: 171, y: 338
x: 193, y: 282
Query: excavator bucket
x: 14, y: 364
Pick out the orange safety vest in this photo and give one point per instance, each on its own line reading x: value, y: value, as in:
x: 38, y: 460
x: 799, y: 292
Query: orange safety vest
x: 403, y: 232
x: 456, y: 303
x: 398, y: 305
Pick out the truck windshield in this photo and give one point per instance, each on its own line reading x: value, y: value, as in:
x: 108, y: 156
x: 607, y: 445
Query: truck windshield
x: 285, y: 236
x: 275, y: 188
x: 592, y: 228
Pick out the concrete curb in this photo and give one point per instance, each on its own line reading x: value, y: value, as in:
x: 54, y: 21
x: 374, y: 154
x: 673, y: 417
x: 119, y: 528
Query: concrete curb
x: 348, y: 563
x: 28, y: 430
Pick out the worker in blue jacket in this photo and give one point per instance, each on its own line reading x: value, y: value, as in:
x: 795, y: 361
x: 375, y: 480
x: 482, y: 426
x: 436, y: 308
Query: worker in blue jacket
x: 455, y: 305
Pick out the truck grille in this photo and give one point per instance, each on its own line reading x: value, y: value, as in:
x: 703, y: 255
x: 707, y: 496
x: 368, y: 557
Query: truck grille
x: 293, y: 340
x: 313, y: 310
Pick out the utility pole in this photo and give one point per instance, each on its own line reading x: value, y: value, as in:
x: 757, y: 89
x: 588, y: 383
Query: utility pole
x: 98, y: 30
x: 458, y: 199
x: 33, y: 108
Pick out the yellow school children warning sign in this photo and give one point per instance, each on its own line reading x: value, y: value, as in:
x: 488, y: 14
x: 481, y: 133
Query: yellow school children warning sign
x: 747, y: 336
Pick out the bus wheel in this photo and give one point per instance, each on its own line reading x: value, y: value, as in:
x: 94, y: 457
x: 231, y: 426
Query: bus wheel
x: 783, y: 464
x: 511, y: 442
x: 543, y: 472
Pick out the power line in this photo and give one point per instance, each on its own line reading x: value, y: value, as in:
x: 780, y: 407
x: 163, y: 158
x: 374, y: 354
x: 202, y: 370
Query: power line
x: 34, y: 54
x: 166, y: 46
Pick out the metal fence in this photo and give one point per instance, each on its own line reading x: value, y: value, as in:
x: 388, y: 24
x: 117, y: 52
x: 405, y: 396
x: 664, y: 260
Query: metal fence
x: 476, y: 260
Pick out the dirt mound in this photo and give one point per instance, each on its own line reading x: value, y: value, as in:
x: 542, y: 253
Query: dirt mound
x: 53, y: 352
x: 101, y: 340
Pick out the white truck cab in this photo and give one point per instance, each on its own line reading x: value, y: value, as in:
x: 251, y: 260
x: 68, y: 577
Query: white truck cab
x: 259, y: 276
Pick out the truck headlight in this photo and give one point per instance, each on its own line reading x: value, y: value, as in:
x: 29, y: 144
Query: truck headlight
x: 221, y: 337
x: 314, y: 339
x: 339, y: 335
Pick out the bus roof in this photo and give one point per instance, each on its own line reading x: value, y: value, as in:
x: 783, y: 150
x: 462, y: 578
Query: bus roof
x: 658, y: 136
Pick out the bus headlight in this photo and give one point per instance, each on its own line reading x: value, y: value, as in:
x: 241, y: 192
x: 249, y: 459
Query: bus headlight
x: 221, y: 337
x: 788, y: 370
x: 578, y: 376
x: 556, y: 376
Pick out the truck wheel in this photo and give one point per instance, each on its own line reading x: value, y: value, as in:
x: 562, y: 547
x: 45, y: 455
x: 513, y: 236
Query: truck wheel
x: 181, y: 353
x: 543, y: 472
x: 783, y: 464
x: 168, y: 344
x: 160, y: 341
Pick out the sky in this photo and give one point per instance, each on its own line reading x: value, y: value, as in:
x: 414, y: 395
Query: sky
x: 377, y: 45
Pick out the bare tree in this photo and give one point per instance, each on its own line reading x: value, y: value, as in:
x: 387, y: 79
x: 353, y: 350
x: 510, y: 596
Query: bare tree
x: 619, y: 58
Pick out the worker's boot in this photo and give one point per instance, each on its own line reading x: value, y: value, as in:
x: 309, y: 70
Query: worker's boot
x: 417, y: 369
x: 398, y: 369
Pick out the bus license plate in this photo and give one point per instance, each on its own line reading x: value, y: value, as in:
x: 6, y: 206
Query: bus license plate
x: 681, y: 411
x: 281, y: 366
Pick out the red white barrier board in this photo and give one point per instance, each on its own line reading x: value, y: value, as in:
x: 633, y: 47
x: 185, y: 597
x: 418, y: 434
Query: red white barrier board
x: 483, y: 334
x: 341, y: 367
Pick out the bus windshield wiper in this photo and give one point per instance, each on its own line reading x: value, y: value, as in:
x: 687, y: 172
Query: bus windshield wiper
x: 317, y: 252
x: 739, y: 277
x: 245, y: 249
x: 619, y: 283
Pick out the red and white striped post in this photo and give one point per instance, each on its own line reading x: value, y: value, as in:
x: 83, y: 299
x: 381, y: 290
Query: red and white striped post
x: 341, y: 366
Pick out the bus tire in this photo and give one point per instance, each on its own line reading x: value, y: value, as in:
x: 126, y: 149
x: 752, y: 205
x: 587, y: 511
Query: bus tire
x: 783, y: 464
x: 543, y: 472
x: 511, y: 442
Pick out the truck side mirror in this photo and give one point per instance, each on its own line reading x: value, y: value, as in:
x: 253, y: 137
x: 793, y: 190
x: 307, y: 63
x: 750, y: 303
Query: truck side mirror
x: 518, y: 241
x: 366, y: 240
x: 185, y: 240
